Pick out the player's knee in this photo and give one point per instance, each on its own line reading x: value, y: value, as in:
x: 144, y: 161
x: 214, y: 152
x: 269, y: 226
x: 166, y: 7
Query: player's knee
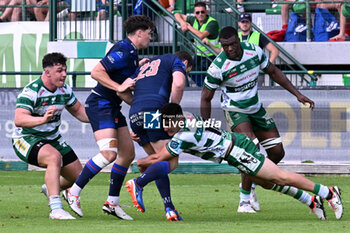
x: 108, y: 148
x: 274, y: 149
x: 109, y: 155
x: 281, y: 178
x: 276, y: 155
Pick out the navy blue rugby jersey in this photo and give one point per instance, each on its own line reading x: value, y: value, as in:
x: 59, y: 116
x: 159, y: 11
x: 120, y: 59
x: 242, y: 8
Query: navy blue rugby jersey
x: 120, y: 62
x: 154, y: 81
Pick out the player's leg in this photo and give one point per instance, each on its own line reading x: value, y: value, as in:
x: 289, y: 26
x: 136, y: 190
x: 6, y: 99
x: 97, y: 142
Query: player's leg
x: 268, y: 137
x: 126, y: 155
x: 50, y: 157
x: 70, y: 173
x: 315, y: 203
x: 163, y: 184
x: 155, y: 172
x: 159, y: 172
x: 108, y: 146
x: 102, y: 116
x: 271, y: 172
x: 240, y: 123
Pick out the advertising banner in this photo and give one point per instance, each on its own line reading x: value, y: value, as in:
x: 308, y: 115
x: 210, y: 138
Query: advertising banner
x: 321, y: 135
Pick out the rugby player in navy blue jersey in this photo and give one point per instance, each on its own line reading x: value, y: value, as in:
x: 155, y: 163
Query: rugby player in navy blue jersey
x: 107, y: 121
x: 159, y: 80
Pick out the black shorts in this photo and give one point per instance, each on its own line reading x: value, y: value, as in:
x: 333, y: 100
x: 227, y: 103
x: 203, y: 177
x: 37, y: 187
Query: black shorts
x: 67, y: 158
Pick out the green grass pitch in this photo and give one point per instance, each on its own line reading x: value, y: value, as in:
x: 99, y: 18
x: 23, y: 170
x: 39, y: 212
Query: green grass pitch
x: 208, y: 203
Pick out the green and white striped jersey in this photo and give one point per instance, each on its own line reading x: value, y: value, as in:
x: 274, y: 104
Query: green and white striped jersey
x: 200, y: 139
x: 238, y: 79
x: 37, y: 99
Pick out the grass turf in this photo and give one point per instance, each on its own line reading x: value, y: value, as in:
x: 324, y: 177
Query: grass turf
x: 208, y: 203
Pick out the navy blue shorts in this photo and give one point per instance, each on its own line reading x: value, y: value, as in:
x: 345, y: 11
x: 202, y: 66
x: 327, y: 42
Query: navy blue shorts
x: 146, y: 135
x: 103, y: 114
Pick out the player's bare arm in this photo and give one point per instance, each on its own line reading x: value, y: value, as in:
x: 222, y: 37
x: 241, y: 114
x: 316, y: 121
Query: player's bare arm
x: 78, y: 111
x: 100, y: 75
x: 216, y: 49
x: 126, y: 96
x: 273, y: 52
x: 206, y: 97
x: 24, y: 118
x: 127, y: 84
x: 277, y: 76
x: 162, y: 155
x: 178, y: 86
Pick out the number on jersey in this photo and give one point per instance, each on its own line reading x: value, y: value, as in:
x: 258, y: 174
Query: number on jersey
x: 149, y: 69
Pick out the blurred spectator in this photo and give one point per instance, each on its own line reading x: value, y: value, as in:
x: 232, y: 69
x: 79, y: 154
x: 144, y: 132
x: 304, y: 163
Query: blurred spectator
x: 169, y: 5
x: 328, y: 6
x: 64, y: 10
x: 342, y: 20
x: 141, y: 8
x: 3, y: 3
x: 15, y: 14
x: 42, y: 13
x: 240, y: 7
x: 247, y: 34
x: 203, y: 26
x: 101, y: 9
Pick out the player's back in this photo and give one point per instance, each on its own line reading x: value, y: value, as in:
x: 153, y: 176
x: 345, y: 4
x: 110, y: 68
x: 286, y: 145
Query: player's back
x: 154, y: 81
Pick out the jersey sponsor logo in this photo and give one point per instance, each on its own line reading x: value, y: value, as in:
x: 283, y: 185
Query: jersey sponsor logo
x: 110, y: 58
x: 232, y: 75
x: 151, y: 120
x: 250, y: 54
x: 45, y: 103
x: 244, y: 87
x: 120, y: 54
x: 247, y: 159
x: 248, y: 76
x: 175, y: 144
x: 39, y: 144
x: 62, y: 90
x: 243, y: 68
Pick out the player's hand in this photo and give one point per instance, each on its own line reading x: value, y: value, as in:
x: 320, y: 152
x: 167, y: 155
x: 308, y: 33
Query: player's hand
x: 141, y: 166
x: 127, y: 84
x: 304, y: 100
x: 134, y: 137
x: 50, y: 112
x: 143, y: 61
